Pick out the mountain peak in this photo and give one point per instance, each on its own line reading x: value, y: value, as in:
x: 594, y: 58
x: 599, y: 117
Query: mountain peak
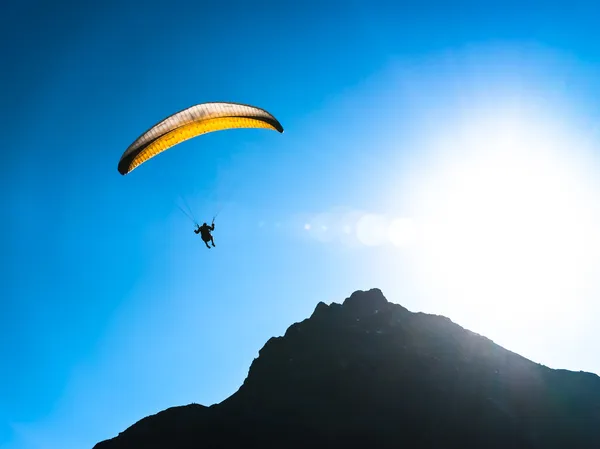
x: 370, y: 373
x: 366, y: 301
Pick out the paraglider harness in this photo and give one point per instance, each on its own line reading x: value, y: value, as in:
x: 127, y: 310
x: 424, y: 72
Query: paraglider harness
x: 205, y: 230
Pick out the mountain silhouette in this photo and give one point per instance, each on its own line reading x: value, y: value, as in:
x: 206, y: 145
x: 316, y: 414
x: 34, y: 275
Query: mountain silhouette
x: 371, y: 374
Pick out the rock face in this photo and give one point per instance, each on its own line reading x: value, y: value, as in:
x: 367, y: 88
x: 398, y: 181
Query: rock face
x: 371, y: 374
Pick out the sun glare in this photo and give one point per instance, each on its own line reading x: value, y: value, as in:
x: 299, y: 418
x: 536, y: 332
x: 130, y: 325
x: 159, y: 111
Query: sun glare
x: 361, y: 229
x: 509, y: 220
x: 493, y: 219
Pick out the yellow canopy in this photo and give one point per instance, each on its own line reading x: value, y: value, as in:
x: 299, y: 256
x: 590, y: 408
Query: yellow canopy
x: 191, y: 122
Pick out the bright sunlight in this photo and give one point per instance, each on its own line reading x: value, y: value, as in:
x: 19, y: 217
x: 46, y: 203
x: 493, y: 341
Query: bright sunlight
x: 509, y: 218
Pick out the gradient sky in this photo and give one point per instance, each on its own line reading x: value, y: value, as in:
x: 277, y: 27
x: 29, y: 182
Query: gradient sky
x: 112, y: 309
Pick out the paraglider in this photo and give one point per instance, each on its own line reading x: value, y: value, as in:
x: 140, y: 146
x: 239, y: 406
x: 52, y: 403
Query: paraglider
x: 191, y: 122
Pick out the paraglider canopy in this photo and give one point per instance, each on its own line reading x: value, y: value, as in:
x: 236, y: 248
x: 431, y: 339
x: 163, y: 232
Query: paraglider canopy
x: 191, y: 122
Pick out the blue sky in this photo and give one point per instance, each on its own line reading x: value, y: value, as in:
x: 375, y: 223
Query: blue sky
x: 112, y: 309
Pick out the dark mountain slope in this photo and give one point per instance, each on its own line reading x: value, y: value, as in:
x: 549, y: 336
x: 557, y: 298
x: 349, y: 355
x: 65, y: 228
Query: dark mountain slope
x: 371, y: 374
